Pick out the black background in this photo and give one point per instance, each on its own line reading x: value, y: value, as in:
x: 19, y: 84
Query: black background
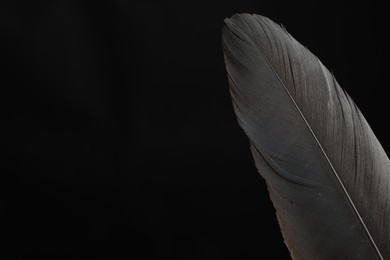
x: 117, y: 132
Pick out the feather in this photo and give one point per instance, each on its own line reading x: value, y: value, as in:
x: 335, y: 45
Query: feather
x: 327, y: 175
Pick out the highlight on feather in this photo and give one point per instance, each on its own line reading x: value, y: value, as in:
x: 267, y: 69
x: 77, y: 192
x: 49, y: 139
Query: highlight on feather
x: 327, y: 175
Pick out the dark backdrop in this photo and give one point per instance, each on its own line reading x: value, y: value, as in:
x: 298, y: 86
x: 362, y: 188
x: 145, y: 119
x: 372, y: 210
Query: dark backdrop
x: 117, y: 132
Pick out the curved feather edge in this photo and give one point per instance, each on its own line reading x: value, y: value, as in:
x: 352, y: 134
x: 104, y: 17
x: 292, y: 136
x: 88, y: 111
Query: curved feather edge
x: 327, y: 174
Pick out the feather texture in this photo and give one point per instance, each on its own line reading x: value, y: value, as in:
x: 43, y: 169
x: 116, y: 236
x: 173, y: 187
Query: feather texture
x: 327, y: 174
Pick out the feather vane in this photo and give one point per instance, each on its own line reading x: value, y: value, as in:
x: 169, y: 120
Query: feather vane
x: 327, y: 174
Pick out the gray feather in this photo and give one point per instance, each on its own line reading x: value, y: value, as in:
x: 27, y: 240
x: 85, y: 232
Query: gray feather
x: 327, y: 174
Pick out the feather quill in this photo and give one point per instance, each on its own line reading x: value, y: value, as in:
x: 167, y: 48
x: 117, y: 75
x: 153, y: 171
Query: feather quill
x: 327, y: 174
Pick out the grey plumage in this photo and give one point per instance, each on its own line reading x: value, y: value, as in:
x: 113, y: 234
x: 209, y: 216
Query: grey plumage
x: 327, y: 174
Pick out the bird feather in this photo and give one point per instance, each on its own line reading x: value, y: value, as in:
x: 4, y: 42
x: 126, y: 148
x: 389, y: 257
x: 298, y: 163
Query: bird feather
x: 327, y: 175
